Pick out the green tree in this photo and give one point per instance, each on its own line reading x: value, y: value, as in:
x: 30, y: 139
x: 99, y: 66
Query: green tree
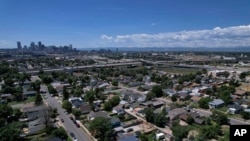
x: 143, y: 137
x: 190, y: 119
x: 161, y: 119
x: 67, y: 105
x: 225, y: 96
x: 77, y: 113
x: 11, y: 132
x: 179, y: 132
x: 174, y: 98
x: 149, y: 115
x: 211, y: 131
x: 61, y: 133
x: 90, y: 96
x: 115, y: 100
x: 65, y: 93
x: 46, y: 79
x: 115, y: 83
x: 150, y: 96
x: 108, y: 106
x: 157, y: 90
x: 101, y: 128
x: 77, y: 92
x: 51, y: 89
x: 5, y: 111
x: 17, y: 113
x: 245, y: 115
x: 203, y: 102
x: 38, y: 99
x: 36, y: 85
x: 219, y: 117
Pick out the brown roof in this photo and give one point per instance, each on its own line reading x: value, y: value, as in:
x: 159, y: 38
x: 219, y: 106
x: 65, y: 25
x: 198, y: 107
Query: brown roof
x: 195, y: 98
x: 183, y: 117
x: 240, y: 92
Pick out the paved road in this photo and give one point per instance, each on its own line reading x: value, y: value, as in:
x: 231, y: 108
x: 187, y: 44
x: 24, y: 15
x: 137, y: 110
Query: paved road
x: 68, y: 123
x: 232, y: 121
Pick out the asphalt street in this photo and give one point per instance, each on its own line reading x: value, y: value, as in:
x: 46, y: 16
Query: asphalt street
x: 68, y: 124
x: 232, y: 121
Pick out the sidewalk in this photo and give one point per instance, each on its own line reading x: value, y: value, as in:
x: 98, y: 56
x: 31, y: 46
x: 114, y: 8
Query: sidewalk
x: 86, y: 130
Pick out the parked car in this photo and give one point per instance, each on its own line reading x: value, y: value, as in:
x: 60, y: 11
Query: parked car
x: 78, y: 125
x: 72, y: 135
x: 129, y: 130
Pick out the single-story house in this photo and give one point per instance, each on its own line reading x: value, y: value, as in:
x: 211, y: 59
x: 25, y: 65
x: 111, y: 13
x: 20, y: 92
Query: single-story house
x: 239, y: 92
x: 118, y: 110
x: 174, y: 114
x: 234, y: 108
x: 195, y: 99
x: 216, y: 103
x: 76, y: 102
x: 92, y: 115
x: 85, y: 108
x: 168, y: 92
x: 29, y: 93
x: 115, y: 122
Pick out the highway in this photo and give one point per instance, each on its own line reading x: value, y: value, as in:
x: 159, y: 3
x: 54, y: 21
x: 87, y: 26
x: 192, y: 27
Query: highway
x: 68, y: 123
x: 85, y: 67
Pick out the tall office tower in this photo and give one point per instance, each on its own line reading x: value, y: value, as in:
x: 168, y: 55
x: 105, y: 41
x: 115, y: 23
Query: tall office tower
x: 70, y: 47
x: 32, y: 46
x: 40, y: 45
x: 19, y: 46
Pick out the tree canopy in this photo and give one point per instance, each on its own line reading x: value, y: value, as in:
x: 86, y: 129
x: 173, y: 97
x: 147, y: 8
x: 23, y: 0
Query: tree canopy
x: 101, y: 128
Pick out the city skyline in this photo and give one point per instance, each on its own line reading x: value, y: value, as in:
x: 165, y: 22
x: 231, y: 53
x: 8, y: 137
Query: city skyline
x: 112, y: 23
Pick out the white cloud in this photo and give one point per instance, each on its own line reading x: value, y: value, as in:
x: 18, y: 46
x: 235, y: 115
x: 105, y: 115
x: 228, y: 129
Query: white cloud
x: 218, y: 37
x: 106, y: 37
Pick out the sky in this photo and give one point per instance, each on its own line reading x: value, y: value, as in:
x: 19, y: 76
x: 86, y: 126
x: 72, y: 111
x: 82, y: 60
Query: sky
x: 126, y: 23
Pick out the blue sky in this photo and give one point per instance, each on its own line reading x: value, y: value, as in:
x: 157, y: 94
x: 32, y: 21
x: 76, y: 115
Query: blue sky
x: 126, y: 23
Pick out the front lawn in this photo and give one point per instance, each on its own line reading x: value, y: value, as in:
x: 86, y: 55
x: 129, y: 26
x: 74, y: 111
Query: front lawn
x: 28, y: 100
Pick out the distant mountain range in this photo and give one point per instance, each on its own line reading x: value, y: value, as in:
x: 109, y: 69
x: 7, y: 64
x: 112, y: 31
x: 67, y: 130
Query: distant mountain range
x: 181, y: 49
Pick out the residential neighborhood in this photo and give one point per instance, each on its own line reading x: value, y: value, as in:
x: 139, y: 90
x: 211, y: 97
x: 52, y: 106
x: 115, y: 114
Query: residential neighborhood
x: 123, y: 103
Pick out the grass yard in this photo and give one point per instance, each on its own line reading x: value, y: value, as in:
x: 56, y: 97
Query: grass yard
x: 28, y: 100
x: 223, y: 109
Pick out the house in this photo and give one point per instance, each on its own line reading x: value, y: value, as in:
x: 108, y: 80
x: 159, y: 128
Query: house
x: 174, y: 114
x: 6, y: 97
x: 104, y: 85
x: 234, y: 108
x: 135, y: 84
x: 195, y: 99
x: 183, y: 96
x: 247, y: 110
x: 118, y: 110
x: 85, y: 108
x: 240, y: 93
x: 76, y: 102
x: 194, y: 115
x: 29, y: 93
x: 168, y: 92
x: 216, y: 103
x: 92, y: 115
x: 154, y: 103
x: 115, y: 122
